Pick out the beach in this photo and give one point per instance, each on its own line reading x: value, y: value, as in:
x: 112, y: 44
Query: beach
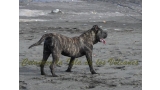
x: 118, y: 63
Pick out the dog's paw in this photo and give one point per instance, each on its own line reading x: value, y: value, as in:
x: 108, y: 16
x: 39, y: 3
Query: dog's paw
x: 93, y: 72
x: 54, y: 75
x: 43, y: 74
x: 68, y: 70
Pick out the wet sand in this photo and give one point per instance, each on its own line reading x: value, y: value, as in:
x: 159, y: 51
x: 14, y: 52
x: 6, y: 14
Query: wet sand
x: 122, y: 21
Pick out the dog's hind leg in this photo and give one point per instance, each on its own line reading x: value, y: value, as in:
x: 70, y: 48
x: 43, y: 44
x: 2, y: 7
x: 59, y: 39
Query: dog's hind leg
x: 55, y: 58
x: 46, y: 54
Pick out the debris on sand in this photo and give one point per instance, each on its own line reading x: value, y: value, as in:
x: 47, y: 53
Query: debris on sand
x: 56, y: 11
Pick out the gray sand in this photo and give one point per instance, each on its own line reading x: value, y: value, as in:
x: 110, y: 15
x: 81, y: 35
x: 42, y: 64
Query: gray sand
x: 123, y: 21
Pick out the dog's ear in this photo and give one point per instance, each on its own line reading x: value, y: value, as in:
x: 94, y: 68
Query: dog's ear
x: 95, y: 28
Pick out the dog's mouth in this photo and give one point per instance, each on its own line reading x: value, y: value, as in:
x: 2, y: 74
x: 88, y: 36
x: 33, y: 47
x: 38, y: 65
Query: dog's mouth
x: 103, y: 41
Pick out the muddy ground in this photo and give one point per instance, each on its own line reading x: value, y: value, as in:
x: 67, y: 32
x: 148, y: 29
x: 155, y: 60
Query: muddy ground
x: 122, y: 21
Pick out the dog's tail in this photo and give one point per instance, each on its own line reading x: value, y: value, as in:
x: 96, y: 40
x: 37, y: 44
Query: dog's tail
x: 41, y: 40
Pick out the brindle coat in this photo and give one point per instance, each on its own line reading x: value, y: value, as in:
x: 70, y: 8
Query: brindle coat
x: 57, y: 44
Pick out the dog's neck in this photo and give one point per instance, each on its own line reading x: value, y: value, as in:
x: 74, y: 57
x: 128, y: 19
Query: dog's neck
x: 89, y: 37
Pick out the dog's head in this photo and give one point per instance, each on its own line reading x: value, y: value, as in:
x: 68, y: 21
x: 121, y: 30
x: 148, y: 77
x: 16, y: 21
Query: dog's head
x: 100, y: 35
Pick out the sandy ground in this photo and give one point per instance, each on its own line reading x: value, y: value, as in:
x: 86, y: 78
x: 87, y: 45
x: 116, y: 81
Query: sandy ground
x: 124, y: 42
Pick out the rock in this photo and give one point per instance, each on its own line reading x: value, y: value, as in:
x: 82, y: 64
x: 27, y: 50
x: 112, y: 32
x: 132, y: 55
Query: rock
x: 56, y: 11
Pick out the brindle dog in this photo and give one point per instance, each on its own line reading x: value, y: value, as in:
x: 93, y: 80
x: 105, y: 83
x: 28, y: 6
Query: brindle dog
x: 57, y: 44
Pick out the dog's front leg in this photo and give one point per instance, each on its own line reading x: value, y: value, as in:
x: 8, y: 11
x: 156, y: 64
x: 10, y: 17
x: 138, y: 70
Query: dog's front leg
x: 70, y: 64
x: 89, y: 59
